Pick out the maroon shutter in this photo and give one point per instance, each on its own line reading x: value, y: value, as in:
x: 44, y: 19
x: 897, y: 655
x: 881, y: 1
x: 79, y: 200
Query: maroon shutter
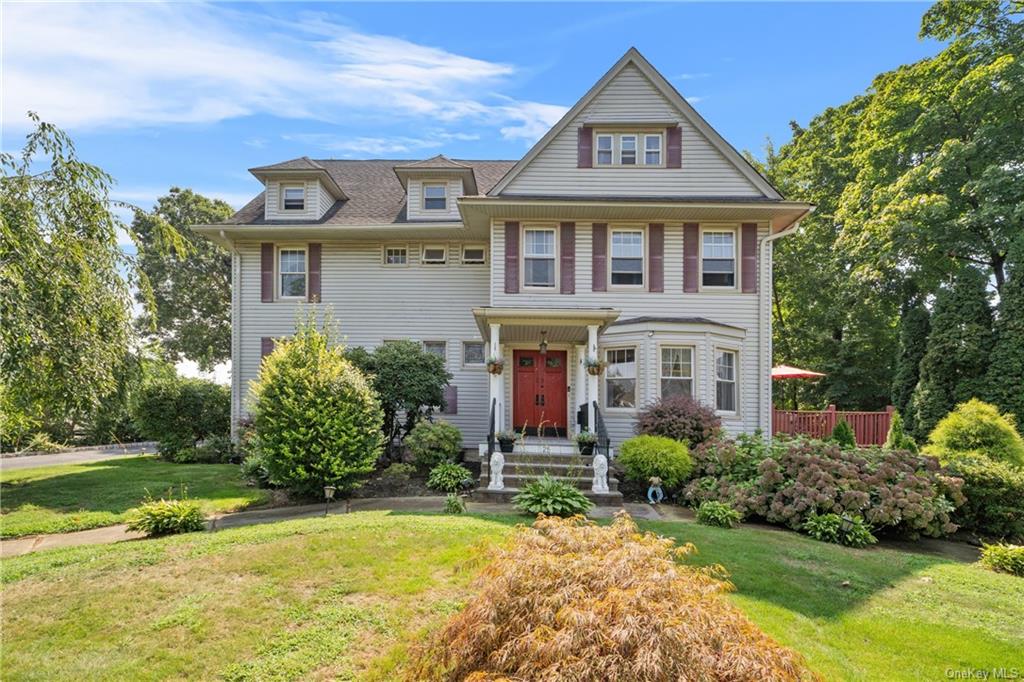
x: 314, y: 273
x: 748, y: 257
x: 266, y: 272
x: 511, y: 258
x: 674, y: 147
x: 656, y: 238
x: 266, y: 346
x: 691, y: 254
x: 451, y: 400
x: 599, y: 281
x: 568, y: 256
x: 585, y: 147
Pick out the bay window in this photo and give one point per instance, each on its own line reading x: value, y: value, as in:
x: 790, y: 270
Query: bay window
x: 676, y: 371
x: 725, y: 380
x: 620, y: 377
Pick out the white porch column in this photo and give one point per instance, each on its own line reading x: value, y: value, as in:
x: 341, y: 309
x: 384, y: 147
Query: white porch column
x: 497, y: 381
x: 580, y: 393
x: 591, y: 379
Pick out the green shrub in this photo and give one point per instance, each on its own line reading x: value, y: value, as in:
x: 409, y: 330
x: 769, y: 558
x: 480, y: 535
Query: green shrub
x: 551, y: 497
x: 434, y: 442
x: 214, y: 450
x: 254, y: 470
x: 898, y: 438
x: 178, y: 412
x: 843, y: 435
x: 679, y: 417
x: 399, y: 472
x: 1004, y: 558
x: 317, y: 421
x: 829, y: 528
x: 453, y: 504
x: 167, y: 517
x: 975, y: 426
x: 41, y: 442
x: 642, y: 457
x: 994, y: 507
x: 448, y: 477
x: 719, y: 514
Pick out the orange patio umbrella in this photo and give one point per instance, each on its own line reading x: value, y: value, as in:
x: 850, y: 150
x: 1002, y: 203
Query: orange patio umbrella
x: 787, y: 372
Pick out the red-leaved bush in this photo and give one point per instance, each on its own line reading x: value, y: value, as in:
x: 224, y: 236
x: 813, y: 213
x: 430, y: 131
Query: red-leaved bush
x: 789, y: 481
x: 679, y: 417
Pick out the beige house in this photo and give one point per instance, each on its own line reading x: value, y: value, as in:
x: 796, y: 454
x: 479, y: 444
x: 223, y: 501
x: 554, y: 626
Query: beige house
x: 631, y: 233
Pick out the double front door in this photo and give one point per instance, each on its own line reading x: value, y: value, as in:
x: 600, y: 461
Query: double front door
x: 540, y: 392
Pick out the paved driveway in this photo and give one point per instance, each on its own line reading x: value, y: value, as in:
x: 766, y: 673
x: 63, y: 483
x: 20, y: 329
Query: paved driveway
x: 77, y: 456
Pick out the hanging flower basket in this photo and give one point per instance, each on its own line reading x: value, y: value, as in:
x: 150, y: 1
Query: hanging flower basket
x: 495, y: 365
x: 594, y: 366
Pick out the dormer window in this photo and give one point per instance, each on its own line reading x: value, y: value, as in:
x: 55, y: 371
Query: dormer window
x: 435, y: 196
x: 293, y: 197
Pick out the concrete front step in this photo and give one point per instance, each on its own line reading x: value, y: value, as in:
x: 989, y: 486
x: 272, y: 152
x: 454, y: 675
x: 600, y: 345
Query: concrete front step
x: 482, y: 494
x: 537, y: 447
x: 584, y: 482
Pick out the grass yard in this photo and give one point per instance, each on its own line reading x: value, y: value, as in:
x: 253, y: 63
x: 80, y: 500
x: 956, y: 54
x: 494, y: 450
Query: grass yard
x: 344, y: 597
x: 69, y: 497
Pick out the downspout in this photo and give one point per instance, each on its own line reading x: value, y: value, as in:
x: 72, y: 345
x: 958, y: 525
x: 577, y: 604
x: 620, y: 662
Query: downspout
x: 236, y: 321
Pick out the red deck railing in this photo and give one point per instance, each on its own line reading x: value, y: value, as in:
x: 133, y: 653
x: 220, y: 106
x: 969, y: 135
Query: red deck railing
x: 870, y: 428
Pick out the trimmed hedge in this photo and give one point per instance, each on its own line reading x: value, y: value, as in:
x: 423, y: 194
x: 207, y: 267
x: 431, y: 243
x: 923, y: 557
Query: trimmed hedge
x: 977, y: 427
x: 178, y: 412
x: 642, y: 457
x: 994, y: 507
x: 434, y: 442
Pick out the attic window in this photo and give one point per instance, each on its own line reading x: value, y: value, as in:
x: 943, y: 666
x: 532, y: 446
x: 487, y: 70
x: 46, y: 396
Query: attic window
x: 437, y: 254
x: 293, y: 197
x: 435, y: 196
x: 473, y: 255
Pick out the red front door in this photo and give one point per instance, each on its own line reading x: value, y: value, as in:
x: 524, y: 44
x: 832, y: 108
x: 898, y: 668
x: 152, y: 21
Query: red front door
x: 539, y: 392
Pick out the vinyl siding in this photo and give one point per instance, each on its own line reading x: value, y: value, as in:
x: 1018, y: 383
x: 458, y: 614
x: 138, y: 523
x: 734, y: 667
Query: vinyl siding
x: 325, y: 198
x: 631, y: 98
x: 415, y: 200
x: 313, y: 207
x: 371, y: 302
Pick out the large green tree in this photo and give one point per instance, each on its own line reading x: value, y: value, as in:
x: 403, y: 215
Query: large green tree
x: 1005, y: 379
x: 65, y: 283
x: 192, y: 292
x: 915, y: 325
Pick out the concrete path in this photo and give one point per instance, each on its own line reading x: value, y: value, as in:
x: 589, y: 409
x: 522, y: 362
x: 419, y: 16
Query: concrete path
x: 111, y: 534
x: 77, y: 456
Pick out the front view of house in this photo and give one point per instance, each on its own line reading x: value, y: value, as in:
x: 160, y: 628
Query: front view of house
x: 631, y: 234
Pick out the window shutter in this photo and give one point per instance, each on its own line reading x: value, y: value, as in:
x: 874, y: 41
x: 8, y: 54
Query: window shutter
x: 567, y: 253
x: 266, y: 346
x: 748, y: 257
x: 267, y: 272
x: 691, y: 256
x: 674, y: 147
x: 314, y: 273
x: 585, y: 147
x: 511, y: 258
x: 599, y: 281
x: 451, y: 400
x: 656, y: 251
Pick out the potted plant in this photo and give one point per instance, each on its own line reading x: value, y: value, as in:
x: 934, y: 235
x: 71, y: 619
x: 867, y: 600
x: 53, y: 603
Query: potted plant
x: 585, y: 441
x: 507, y: 440
x: 495, y: 365
x: 594, y: 366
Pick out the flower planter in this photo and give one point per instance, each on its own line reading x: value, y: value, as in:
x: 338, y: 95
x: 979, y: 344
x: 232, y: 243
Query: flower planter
x: 594, y: 370
x: 507, y: 446
x: 586, y: 449
x: 495, y: 367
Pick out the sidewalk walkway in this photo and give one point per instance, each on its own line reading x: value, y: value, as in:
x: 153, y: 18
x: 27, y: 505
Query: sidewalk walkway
x: 111, y: 534
x: 76, y: 456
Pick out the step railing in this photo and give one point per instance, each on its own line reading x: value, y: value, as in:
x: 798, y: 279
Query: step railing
x: 604, y: 443
x: 490, y: 428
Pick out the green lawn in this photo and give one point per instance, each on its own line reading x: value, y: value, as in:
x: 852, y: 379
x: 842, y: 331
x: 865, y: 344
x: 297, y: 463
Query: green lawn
x: 343, y: 597
x: 68, y: 497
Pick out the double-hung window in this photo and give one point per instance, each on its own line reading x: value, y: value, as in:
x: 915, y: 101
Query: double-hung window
x: 605, y: 151
x: 472, y: 352
x: 293, y: 197
x: 627, y: 257
x: 718, y: 262
x: 627, y: 150
x: 652, y: 150
x: 620, y: 377
x: 539, y: 257
x: 435, y: 196
x: 676, y: 371
x: 291, y: 269
x: 630, y: 148
x: 725, y: 380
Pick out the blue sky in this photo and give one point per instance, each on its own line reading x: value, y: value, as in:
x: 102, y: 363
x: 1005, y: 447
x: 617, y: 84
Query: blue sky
x: 194, y: 94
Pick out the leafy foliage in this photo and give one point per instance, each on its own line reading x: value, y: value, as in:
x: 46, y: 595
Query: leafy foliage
x: 994, y: 507
x: 408, y: 380
x: 897, y: 438
x: 915, y: 324
x: 167, y: 517
x: 830, y: 528
x: 712, y: 513
x: 679, y: 417
x: 398, y: 472
x: 41, y: 442
x: 453, y: 504
x: 434, y: 442
x: 179, y: 412
x: 448, y: 477
x: 254, y: 470
x: 549, y: 598
x: 551, y: 497
x: 977, y: 427
x: 1004, y: 383
x: 1004, y: 558
x: 842, y: 435
x: 215, y: 449
x: 317, y: 420
x: 642, y: 457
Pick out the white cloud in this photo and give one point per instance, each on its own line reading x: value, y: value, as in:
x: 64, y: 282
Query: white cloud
x: 690, y: 76
x: 377, y: 145
x: 102, y: 65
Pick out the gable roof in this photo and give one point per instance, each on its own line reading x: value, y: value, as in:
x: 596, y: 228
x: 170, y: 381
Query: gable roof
x: 439, y: 163
x: 374, y: 194
x: 673, y: 96
x: 302, y: 167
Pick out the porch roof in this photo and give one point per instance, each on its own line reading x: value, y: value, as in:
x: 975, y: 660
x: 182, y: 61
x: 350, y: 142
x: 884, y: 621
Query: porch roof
x: 562, y: 325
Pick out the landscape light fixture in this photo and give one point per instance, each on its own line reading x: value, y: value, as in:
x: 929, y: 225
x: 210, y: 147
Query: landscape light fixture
x: 329, y: 491
x: 543, y: 343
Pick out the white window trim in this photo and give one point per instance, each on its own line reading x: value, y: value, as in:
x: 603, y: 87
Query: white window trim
x: 423, y: 196
x: 735, y: 258
x: 444, y: 342
x: 554, y: 288
x: 294, y: 185
x: 693, y: 367
x: 423, y: 254
x: 384, y: 255
x: 605, y: 402
x: 736, y: 379
x: 462, y: 257
x: 641, y: 134
x: 611, y: 151
x: 277, y: 270
x: 644, y: 258
x: 636, y: 152
x: 474, y: 365
x: 661, y: 149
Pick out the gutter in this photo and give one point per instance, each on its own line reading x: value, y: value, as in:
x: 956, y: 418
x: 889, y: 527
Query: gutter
x: 236, y: 337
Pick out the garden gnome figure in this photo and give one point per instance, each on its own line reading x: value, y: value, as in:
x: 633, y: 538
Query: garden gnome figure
x: 600, y: 484
x: 654, y: 493
x: 497, y: 464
